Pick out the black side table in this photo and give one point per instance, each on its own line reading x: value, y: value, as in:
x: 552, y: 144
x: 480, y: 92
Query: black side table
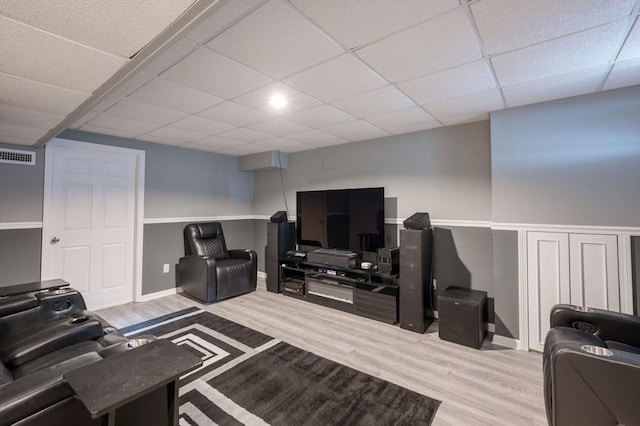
x: 462, y: 316
x: 119, y: 379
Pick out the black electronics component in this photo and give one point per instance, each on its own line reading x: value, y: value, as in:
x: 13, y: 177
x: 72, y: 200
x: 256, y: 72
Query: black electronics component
x: 417, y: 221
x: 280, y: 239
x: 388, y: 260
x: 415, y: 279
x: 279, y: 217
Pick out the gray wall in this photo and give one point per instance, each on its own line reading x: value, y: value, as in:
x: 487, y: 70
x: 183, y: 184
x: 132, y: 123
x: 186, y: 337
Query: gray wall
x: 446, y: 172
x: 20, y: 256
x: 574, y: 161
x: 22, y: 189
x: 178, y: 183
x: 182, y: 182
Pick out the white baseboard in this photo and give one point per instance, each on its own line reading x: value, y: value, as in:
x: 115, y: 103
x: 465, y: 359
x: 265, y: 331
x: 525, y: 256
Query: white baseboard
x: 508, y: 342
x: 158, y: 294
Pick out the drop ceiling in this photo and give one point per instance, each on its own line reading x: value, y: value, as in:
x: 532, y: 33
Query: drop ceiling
x: 199, y: 74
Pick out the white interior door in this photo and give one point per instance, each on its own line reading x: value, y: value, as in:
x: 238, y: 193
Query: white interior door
x: 548, y: 281
x: 89, y: 221
x: 594, y: 271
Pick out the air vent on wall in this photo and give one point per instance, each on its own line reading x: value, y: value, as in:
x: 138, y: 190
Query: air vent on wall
x: 14, y: 156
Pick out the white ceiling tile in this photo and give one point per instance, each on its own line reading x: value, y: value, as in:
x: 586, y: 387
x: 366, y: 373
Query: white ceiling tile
x: 316, y: 138
x: 506, y: 24
x: 21, y: 132
x: 217, y: 142
x: 84, y: 119
x: 320, y: 116
x: 122, y: 123
x: 297, y: 148
x: 259, y: 99
x: 141, y: 111
x: 578, y: 51
x: 256, y: 42
x: 375, y: 102
x: 404, y: 121
x: 202, y: 125
x: 466, y: 108
x: 118, y: 26
x: 631, y: 47
x: 338, y: 78
x: 278, y: 143
x: 556, y: 87
x: 212, y: 73
x: 443, y: 42
x: 356, y: 130
x: 28, y: 117
x: 464, y: 80
x: 31, y: 53
x: 16, y: 141
x: 278, y: 127
x: 236, y: 114
x: 130, y: 85
x: 42, y: 97
x: 221, y: 18
x: 162, y: 141
x: 172, y: 134
x: 174, y: 96
x: 178, y: 50
x: 111, y: 132
x: 623, y: 74
x: 244, y: 149
x: 204, y: 148
x: 354, y: 25
x: 244, y: 135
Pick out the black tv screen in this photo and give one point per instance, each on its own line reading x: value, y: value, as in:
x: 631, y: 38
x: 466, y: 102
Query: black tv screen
x: 348, y: 219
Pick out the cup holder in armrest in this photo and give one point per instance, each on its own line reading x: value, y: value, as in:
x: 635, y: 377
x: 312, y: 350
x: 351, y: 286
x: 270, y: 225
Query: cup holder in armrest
x: 596, y: 350
x: 134, y: 343
x: 59, y: 291
x: 79, y: 319
x: 581, y: 308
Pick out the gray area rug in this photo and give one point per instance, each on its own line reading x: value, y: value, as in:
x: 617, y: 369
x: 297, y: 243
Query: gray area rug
x: 250, y: 378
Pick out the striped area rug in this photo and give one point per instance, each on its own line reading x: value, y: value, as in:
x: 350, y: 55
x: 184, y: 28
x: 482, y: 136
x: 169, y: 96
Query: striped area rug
x: 250, y: 378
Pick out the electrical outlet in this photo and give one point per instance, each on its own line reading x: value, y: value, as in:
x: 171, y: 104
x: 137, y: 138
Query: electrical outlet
x: 165, y: 268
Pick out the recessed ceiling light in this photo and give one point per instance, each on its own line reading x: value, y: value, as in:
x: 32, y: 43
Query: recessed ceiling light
x: 278, y: 101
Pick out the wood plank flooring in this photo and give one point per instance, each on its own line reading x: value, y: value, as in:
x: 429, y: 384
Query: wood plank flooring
x: 492, y: 386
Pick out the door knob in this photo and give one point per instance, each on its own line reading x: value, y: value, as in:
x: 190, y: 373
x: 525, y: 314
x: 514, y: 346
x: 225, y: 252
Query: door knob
x: 54, y: 240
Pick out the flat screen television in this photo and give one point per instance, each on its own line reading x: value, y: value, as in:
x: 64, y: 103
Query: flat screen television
x: 347, y: 219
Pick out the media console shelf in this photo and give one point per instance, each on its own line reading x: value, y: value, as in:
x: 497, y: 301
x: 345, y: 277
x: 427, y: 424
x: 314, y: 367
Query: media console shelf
x: 359, y: 291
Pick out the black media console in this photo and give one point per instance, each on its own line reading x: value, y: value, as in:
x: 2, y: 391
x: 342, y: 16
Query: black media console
x: 360, y: 291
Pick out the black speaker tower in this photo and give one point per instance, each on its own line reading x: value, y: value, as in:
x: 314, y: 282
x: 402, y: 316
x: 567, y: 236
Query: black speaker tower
x: 281, y: 237
x: 416, y: 248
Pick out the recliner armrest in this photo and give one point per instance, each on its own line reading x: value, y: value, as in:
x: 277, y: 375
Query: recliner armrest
x: 243, y: 254
x: 607, y: 325
x: 195, y: 273
x: 586, y: 383
x: 36, y: 391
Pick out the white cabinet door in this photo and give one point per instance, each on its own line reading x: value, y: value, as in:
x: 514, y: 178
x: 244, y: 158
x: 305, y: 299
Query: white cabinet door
x: 548, y: 281
x: 594, y: 271
x: 580, y: 269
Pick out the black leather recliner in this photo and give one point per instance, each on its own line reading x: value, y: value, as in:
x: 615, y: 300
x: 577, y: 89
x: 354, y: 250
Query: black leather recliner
x: 47, y: 334
x: 591, y: 367
x: 208, y: 271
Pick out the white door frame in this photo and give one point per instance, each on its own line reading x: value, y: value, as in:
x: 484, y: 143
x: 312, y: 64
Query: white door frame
x: 139, y: 201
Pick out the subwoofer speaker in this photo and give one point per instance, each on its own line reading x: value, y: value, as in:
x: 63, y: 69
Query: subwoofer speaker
x: 417, y: 221
x: 279, y: 217
x: 281, y: 237
x: 416, y: 246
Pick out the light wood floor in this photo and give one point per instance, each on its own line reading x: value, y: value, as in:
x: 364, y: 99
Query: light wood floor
x: 492, y: 386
